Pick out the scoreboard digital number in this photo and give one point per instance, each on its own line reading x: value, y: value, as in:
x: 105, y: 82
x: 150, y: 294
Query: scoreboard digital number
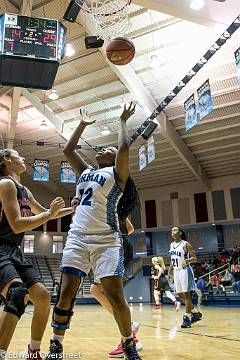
x: 36, y: 40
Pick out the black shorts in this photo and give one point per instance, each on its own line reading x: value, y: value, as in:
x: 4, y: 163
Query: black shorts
x: 162, y: 284
x: 14, y: 265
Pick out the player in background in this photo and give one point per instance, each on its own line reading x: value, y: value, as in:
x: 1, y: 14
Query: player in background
x: 182, y: 255
x: 94, y: 241
x: 19, y: 282
x: 161, y: 283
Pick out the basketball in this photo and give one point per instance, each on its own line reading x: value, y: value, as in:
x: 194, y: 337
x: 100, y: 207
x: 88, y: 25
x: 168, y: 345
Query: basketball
x: 120, y: 51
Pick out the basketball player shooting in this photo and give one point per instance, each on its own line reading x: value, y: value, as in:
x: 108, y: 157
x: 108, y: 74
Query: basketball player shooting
x: 182, y: 255
x: 94, y: 239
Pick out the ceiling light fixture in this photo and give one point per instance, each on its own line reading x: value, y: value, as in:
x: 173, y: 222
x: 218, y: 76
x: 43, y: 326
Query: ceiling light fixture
x: 105, y: 131
x: 197, y: 4
x: 69, y: 50
x: 154, y: 61
x: 44, y: 125
x: 52, y: 95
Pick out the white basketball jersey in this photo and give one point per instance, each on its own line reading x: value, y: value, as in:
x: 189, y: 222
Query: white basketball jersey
x: 99, y: 195
x: 178, y: 254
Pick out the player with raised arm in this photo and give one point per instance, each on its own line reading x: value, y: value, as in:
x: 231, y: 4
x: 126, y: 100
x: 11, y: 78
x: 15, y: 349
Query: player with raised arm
x: 182, y: 256
x: 18, y: 279
x: 94, y: 240
x: 126, y: 205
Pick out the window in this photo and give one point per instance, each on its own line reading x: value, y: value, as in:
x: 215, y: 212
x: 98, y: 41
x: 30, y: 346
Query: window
x: 57, y: 244
x: 65, y: 223
x: 28, y: 244
x: 150, y: 210
x: 52, y: 225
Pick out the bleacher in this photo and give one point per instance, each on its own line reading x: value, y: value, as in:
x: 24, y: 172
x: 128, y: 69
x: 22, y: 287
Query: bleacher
x: 216, y: 297
x: 48, y: 269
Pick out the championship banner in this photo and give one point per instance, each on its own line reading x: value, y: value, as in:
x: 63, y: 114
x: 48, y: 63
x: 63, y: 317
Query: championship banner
x: 191, y: 116
x: 67, y: 174
x: 205, y: 103
x: 41, y: 170
x: 142, y: 157
x: 237, y: 57
x: 151, y: 150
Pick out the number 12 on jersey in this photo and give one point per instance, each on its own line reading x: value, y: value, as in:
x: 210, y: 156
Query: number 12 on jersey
x: 86, y: 197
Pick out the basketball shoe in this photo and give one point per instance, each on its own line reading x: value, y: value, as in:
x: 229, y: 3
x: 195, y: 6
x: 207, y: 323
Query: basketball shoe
x: 196, y: 317
x: 55, y: 350
x: 119, y: 353
x: 130, y: 352
x: 186, y: 322
x: 156, y: 308
x: 34, y: 354
x: 135, y: 327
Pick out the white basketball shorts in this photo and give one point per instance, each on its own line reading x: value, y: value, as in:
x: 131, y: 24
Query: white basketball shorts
x: 102, y: 253
x: 184, y: 280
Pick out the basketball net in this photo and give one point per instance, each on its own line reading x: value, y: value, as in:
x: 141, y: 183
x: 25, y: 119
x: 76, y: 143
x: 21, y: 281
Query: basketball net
x: 110, y: 16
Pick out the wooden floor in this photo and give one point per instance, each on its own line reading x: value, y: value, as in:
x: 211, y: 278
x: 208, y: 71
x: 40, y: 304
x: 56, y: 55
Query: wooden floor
x: 93, y: 333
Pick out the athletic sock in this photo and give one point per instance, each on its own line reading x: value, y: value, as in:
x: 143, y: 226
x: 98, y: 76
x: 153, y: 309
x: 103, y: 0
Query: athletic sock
x: 34, y: 344
x: 124, y: 339
x: 59, y: 338
x: 2, y: 354
x: 194, y: 311
x: 188, y: 315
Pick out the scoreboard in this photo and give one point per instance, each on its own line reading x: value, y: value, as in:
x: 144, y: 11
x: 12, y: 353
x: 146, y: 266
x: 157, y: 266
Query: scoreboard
x: 32, y: 44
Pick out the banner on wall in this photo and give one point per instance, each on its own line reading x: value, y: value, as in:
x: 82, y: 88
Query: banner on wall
x: 191, y: 115
x: 41, y: 170
x: 67, y: 174
x: 142, y: 157
x: 151, y: 149
x: 237, y: 58
x: 205, y: 103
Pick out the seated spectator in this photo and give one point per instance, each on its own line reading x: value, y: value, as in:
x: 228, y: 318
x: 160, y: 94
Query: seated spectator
x: 55, y: 286
x: 223, y: 259
x: 216, y: 280
x: 201, y: 284
x: 198, y: 270
x: 227, y: 280
x: 206, y: 267
x: 234, y: 267
x: 236, y: 281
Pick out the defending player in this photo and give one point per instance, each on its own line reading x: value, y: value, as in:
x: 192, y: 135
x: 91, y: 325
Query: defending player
x: 182, y: 255
x: 94, y: 240
x: 161, y: 283
x: 18, y: 279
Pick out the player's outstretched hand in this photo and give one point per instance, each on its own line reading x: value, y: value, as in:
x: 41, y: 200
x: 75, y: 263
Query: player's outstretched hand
x: 55, y: 206
x: 85, y: 117
x: 128, y: 111
x: 75, y: 202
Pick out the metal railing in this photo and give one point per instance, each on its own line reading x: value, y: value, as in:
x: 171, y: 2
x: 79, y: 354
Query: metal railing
x: 223, y: 267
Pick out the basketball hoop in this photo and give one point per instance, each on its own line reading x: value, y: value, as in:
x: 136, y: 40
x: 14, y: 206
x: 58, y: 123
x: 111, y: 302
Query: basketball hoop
x: 110, y: 16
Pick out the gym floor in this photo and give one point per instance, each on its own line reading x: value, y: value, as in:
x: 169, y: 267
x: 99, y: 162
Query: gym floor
x: 93, y: 334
